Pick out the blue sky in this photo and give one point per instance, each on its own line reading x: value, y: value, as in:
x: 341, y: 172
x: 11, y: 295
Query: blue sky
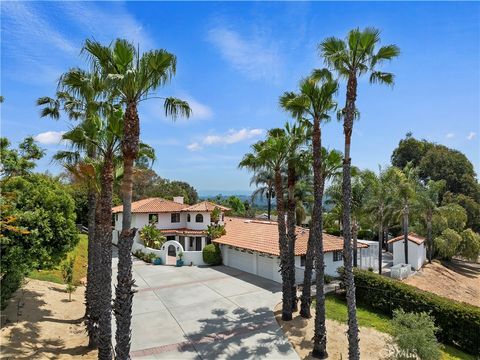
x: 235, y: 60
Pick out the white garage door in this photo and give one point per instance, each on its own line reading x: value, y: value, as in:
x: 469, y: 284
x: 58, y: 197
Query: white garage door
x: 265, y: 267
x: 241, y: 260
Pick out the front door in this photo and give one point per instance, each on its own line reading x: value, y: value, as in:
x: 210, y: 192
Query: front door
x: 172, y: 251
x: 198, y: 244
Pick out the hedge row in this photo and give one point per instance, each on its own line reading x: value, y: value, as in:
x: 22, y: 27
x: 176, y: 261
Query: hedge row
x: 459, y: 323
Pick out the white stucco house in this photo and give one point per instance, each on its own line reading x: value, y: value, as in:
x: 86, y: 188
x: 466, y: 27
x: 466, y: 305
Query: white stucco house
x: 183, y: 225
x: 417, y: 254
x: 252, y: 246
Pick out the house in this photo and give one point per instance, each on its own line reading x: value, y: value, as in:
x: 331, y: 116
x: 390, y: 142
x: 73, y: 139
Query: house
x: 252, y: 246
x: 183, y: 225
x: 417, y: 253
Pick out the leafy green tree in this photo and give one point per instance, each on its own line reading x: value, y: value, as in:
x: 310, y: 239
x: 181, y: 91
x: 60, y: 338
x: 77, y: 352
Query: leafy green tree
x: 67, y: 274
x: 414, y: 335
x: 19, y: 162
x: 152, y: 237
x: 351, y: 58
x: 264, y: 179
x: 469, y: 204
x: 470, y: 246
x: 237, y: 206
x: 410, y: 150
x: 447, y: 244
x: 135, y: 76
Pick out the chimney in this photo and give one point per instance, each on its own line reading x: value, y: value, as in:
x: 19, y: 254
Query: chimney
x: 178, y: 199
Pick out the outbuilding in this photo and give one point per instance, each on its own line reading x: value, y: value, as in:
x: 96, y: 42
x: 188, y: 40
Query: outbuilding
x: 417, y: 253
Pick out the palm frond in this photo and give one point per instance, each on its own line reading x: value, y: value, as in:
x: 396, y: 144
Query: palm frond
x: 176, y: 107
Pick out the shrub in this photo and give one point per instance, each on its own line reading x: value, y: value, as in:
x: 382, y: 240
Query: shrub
x: 212, y: 254
x: 458, y: 323
x: 328, y: 278
x: 414, y: 334
x: 152, y: 237
x: 333, y: 231
x: 447, y: 243
x: 365, y: 234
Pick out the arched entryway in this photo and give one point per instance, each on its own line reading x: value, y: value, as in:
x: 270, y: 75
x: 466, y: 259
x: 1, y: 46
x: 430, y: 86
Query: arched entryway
x: 171, y: 255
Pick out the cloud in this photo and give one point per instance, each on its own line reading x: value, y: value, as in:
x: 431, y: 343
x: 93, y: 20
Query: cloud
x: 199, y: 110
x: 49, y: 137
x: 449, y: 135
x: 231, y: 137
x: 256, y: 57
x: 194, y: 146
x: 471, y: 135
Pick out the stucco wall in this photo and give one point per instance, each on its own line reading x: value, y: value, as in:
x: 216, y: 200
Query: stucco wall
x: 416, y: 254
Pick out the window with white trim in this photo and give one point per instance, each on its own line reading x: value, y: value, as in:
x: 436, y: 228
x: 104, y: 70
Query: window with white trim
x: 175, y: 217
x: 199, y: 218
x: 337, y: 255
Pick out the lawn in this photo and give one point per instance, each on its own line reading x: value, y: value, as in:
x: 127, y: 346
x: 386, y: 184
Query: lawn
x: 336, y: 309
x: 79, y: 269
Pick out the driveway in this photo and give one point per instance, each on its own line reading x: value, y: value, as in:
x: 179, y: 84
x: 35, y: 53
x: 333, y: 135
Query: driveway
x: 204, y: 313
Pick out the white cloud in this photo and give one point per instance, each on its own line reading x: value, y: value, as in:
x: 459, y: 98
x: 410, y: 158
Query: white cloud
x: 49, y: 137
x: 471, y: 135
x: 231, y: 137
x: 194, y: 146
x: 449, y: 135
x: 256, y: 57
x: 199, y: 110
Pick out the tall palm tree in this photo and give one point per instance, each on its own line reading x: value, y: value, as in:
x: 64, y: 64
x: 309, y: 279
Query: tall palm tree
x: 83, y: 96
x: 351, y: 58
x: 360, y: 188
x: 264, y: 180
x: 135, y: 76
x: 311, y: 105
x: 272, y: 153
x: 428, y: 199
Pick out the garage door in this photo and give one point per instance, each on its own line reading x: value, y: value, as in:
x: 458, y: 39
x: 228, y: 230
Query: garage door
x: 240, y: 260
x: 265, y: 267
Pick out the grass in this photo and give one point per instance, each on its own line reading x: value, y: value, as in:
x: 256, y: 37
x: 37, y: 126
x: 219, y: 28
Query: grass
x: 79, y: 268
x: 336, y: 309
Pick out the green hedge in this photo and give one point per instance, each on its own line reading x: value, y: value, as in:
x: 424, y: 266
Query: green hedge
x: 459, y: 323
x: 212, y: 254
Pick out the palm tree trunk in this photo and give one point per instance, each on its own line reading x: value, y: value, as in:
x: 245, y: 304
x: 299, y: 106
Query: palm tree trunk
x: 283, y: 245
x: 405, y: 231
x: 354, y: 236
x: 124, y: 292
x: 353, y: 347
x: 104, y: 237
x: 320, y: 331
x: 380, y: 244
x: 91, y: 290
x: 291, y: 227
x: 269, y: 202
x: 306, y: 298
x: 429, y: 237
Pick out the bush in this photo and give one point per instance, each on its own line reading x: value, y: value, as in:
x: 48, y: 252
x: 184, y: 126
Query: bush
x: 414, y: 334
x: 152, y: 237
x: 212, y: 254
x: 328, y: 278
x: 333, y: 231
x: 458, y: 323
x: 365, y: 234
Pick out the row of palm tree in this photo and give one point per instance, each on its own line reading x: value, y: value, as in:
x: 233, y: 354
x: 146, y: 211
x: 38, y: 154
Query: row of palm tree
x: 104, y: 100
x: 312, y: 106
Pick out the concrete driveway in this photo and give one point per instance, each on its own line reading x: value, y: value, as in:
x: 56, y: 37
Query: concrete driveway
x: 205, y: 313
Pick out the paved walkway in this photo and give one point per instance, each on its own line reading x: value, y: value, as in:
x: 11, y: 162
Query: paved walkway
x: 204, y: 313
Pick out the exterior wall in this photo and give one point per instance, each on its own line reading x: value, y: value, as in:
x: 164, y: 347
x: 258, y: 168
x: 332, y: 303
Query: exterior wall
x: 416, y: 254
x: 118, y: 221
x: 197, y: 226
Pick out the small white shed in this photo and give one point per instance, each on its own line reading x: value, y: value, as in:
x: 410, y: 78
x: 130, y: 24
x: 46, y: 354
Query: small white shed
x: 417, y: 253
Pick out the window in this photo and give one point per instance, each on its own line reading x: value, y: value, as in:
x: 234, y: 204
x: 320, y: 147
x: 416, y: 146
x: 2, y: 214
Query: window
x: 175, y: 217
x: 152, y: 218
x: 199, y: 218
x: 337, y: 256
x: 191, y: 241
x: 198, y: 244
x: 188, y: 217
x: 302, y: 260
x: 170, y: 237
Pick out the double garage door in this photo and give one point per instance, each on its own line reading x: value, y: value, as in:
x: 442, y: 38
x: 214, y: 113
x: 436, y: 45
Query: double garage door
x: 255, y: 263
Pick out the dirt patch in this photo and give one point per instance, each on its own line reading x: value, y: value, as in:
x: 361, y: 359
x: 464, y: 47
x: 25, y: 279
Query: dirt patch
x: 40, y: 323
x: 456, y: 280
x: 374, y: 345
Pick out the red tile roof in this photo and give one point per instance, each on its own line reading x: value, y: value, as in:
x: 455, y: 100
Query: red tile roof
x: 417, y: 239
x: 152, y: 205
x: 262, y: 236
x: 205, y: 206
x: 182, y: 231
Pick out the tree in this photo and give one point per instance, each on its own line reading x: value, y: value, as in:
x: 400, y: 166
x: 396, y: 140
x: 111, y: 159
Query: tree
x: 264, y: 180
x: 447, y: 244
x: 67, y: 274
x: 152, y: 237
x: 38, y: 227
x: 237, y: 206
x: 19, y: 162
x: 360, y: 190
x: 471, y: 207
x: 470, y: 245
x: 351, y: 58
x: 272, y: 153
x: 135, y: 76
x: 410, y: 150
x: 312, y: 105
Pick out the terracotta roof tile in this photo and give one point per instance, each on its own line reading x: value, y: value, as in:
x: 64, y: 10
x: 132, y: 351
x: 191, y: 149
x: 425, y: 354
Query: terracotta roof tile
x: 152, y: 205
x: 262, y: 236
x: 182, y: 231
x: 417, y: 239
x: 205, y: 206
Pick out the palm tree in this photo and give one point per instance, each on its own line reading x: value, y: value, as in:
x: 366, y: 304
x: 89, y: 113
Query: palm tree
x: 264, y: 180
x: 360, y: 188
x: 428, y: 198
x: 352, y: 58
x: 83, y: 96
x: 312, y: 105
x: 135, y: 76
x: 272, y: 153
